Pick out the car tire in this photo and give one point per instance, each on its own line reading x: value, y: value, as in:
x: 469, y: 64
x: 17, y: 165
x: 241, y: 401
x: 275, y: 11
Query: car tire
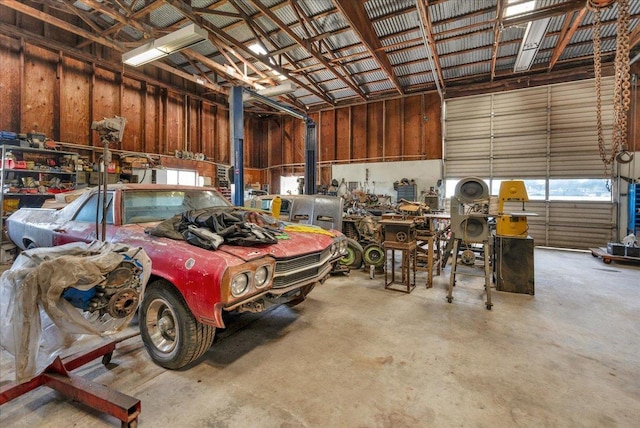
x: 373, y: 255
x: 353, y: 258
x: 170, y: 332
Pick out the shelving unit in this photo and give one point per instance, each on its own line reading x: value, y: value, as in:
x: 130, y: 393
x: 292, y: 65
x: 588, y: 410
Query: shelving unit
x: 633, y: 216
x: 31, y: 176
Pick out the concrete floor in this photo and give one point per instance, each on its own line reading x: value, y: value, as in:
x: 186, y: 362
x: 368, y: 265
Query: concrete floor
x: 357, y: 355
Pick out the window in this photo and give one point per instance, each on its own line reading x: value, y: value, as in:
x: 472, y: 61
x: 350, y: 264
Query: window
x: 588, y: 189
x: 93, y: 208
x: 290, y: 185
x: 518, y: 8
x: 146, y: 206
x: 579, y: 189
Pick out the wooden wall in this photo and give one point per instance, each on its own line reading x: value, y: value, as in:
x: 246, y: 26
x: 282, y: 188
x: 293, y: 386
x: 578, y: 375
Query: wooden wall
x: 407, y: 128
x: 47, y: 91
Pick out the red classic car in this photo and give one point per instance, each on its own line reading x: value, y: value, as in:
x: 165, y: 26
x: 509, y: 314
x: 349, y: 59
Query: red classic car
x: 190, y: 286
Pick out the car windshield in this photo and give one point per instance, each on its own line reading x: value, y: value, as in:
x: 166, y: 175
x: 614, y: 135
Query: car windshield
x: 142, y: 206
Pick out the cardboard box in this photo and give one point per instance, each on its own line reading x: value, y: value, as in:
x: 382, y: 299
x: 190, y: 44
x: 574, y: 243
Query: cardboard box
x: 94, y: 178
x: 7, y: 253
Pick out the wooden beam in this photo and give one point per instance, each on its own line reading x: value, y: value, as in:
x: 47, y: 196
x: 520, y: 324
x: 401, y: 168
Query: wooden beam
x: 82, y: 15
x: 35, y: 13
x: 272, y: 16
x: 207, y: 11
x: 423, y: 12
x: 634, y: 37
x: 12, y: 31
x: 140, y: 13
x: 241, y: 46
x: 215, y: 66
x: 116, y: 16
x: 357, y: 16
x: 565, y: 38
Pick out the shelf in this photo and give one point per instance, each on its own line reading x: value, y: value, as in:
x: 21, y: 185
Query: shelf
x: 12, y: 148
x: 46, y: 167
x: 31, y: 194
x: 38, y: 171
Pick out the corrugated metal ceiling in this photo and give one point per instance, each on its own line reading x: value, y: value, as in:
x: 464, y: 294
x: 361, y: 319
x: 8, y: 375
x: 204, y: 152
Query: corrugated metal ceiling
x: 378, y: 43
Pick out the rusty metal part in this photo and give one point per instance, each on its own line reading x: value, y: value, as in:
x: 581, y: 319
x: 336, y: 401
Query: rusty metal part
x: 123, y: 303
x: 468, y: 257
x: 121, y: 276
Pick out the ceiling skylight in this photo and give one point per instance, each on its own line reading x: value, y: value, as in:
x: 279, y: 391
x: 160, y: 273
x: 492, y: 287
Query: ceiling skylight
x: 518, y: 8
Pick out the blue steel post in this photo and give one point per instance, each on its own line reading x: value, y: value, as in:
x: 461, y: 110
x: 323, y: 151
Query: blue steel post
x: 236, y: 120
x: 310, y: 159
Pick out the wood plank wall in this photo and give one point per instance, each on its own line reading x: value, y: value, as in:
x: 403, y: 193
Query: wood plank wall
x: 44, y: 90
x: 50, y: 92
x: 407, y: 128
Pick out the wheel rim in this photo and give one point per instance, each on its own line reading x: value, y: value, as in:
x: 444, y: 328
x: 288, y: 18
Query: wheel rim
x: 161, y: 326
x: 348, y: 258
x: 374, y: 255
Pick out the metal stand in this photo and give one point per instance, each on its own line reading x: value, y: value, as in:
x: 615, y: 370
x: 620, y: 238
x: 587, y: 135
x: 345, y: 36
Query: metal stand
x: 96, y: 396
x: 487, y: 272
x: 407, y: 263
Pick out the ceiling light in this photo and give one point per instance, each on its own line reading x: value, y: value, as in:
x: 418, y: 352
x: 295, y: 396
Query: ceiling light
x: 257, y: 48
x: 531, y: 42
x: 271, y: 91
x: 155, y: 49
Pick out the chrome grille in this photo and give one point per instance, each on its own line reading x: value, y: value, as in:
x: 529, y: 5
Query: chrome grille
x: 298, y: 269
x: 286, y: 280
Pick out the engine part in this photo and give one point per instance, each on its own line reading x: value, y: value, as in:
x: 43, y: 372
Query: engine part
x: 468, y: 257
x: 123, y: 303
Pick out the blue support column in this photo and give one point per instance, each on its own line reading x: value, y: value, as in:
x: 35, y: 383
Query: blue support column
x: 310, y: 159
x: 236, y: 121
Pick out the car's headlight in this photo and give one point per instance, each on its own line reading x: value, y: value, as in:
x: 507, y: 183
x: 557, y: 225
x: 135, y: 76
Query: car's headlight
x: 261, y: 276
x: 239, y: 284
x: 334, y: 248
x: 343, y: 246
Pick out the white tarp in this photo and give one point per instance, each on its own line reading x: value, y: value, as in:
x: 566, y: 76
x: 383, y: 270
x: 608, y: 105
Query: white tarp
x: 37, y: 323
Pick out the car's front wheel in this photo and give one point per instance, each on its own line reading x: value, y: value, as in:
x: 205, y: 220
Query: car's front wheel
x: 170, y: 332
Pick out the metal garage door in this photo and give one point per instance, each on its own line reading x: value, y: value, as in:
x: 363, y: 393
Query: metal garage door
x: 544, y: 133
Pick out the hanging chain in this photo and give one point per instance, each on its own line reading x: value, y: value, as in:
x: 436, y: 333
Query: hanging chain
x: 597, y: 70
x: 622, y: 91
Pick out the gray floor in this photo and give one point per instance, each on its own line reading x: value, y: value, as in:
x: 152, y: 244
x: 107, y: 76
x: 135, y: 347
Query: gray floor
x: 357, y: 355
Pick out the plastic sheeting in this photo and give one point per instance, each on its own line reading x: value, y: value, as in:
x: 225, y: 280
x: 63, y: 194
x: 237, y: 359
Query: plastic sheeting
x: 37, y: 323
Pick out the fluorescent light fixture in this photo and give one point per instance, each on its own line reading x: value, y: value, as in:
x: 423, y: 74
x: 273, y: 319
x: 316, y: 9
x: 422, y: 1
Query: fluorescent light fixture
x: 272, y: 91
x: 155, y: 49
x: 531, y: 42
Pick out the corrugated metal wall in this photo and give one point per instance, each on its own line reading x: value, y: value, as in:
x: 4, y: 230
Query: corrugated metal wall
x: 539, y: 133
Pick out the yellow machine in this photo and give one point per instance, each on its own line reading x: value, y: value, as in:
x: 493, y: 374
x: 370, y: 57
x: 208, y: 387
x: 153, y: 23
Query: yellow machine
x: 513, y: 223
